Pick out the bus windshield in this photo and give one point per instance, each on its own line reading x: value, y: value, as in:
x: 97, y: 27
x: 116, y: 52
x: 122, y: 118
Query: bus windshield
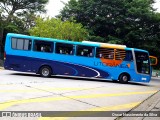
x: 142, y: 62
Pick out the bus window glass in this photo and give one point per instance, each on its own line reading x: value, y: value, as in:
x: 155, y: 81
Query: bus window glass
x: 62, y: 48
x: 142, y: 62
x: 43, y: 46
x: 129, y: 56
x: 21, y: 44
x: 120, y: 54
x: 14, y: 43
x: 84, y: 51
x: 26, y: 44
x: 106, y: 53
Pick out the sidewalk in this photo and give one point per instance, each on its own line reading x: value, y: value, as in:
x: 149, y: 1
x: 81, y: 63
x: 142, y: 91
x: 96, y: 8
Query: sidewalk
x: 150, y: 106
x: 1, y: 68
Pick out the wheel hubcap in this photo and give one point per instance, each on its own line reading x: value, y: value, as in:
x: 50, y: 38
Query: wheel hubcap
x: 45, y: 72
x: 125, y: 78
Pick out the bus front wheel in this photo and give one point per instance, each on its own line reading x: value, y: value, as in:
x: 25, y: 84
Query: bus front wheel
x: 45, y: 71
x: 124, y: 78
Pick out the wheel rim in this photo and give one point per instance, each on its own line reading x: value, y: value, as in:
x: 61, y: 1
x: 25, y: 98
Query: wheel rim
x: 45, y: 72
x: 125, y: 78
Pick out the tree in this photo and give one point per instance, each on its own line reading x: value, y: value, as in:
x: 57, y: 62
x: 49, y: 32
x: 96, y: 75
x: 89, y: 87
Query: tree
x: 11, y: 10
x: 55, y: 28
x: 130, y: 21
x: 20, y: 25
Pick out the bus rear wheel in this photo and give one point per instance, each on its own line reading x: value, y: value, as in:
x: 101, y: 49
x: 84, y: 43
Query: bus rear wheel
x: 124, y: 78
x: 45, y: 71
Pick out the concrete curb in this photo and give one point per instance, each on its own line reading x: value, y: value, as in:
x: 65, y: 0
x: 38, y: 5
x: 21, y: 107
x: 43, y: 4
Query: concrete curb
x: 147, y: 105
x: 1, y: 68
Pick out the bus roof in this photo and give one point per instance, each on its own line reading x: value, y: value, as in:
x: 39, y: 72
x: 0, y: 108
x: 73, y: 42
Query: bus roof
x: 50, y: 39
x: 106, y: 44
x: 87, y: 43
x: 140, y: 50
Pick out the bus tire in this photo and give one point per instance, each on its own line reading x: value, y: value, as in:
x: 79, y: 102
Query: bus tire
x: 124, y: 78
x: 45, y: 71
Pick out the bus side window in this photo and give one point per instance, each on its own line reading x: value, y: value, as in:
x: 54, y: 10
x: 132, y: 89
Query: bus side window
x: 106, y: 53
x: 62, y: 48
x: 120, y: 54
x: 85, y: 51
x: 90, y: 54
x: 21, y: 44
x: 100, y: 55
x: 82, y: 53
x: 129, y: 56
x: 43, y: 46
x: 71, y: 52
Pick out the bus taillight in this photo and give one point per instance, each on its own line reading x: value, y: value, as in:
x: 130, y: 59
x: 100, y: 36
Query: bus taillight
x: 4, y: 55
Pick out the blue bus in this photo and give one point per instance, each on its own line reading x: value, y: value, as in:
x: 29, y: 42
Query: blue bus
x: 47, y: 56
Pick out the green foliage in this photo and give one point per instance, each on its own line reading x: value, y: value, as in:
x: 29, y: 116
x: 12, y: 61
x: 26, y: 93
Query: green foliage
x: 130, y: 22
x: 12, y: 6
x: 19, y: 14
x: 96, y: 39
x: 55, y: 28
x: 114, y: 40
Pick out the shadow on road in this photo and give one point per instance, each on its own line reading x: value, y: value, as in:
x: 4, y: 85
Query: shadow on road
x: 80, y: 78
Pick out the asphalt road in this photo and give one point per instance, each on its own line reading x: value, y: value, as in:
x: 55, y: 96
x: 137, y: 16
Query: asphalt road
x: 29, y: 92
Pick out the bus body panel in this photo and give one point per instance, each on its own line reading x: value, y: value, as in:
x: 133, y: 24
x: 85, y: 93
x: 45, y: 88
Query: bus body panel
x: 29, y: 64
x: 71, y: 65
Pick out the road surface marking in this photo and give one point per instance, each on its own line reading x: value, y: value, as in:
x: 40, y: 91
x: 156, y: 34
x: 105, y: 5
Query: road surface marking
x: 50, y: 99
x: 97, y: 109
x: 6, y: 84
x: 60, y: 89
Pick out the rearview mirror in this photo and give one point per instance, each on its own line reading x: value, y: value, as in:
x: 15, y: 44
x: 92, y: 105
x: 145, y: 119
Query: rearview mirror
x: 153, y: 60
